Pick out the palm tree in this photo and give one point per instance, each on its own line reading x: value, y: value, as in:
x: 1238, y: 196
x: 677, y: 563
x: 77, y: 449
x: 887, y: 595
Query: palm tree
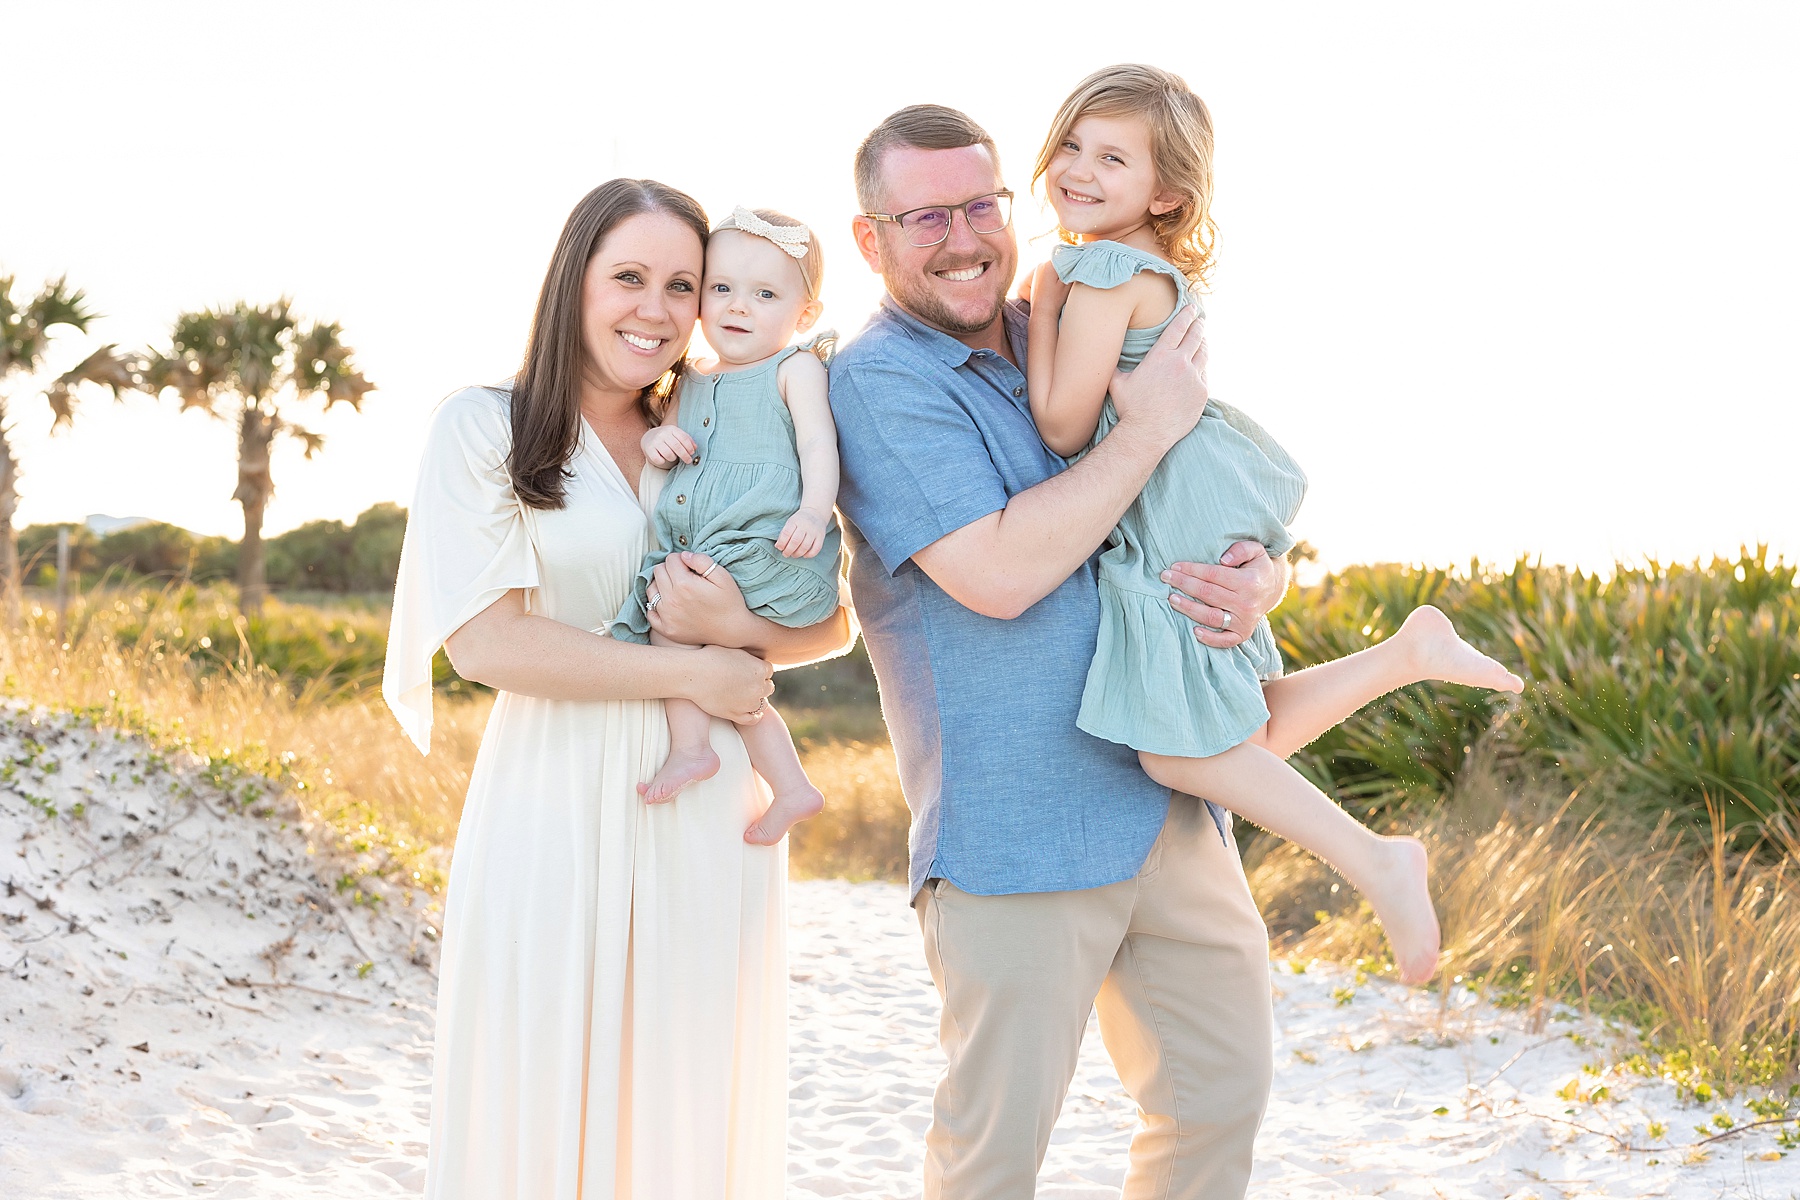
x: 246, y: 364
x: 24, y: 340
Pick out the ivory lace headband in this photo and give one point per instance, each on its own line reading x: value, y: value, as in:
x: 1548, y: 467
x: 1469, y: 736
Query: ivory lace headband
x: 791, y: 239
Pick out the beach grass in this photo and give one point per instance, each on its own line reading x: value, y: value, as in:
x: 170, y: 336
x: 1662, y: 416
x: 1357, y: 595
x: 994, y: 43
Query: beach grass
x: 1622, y: 837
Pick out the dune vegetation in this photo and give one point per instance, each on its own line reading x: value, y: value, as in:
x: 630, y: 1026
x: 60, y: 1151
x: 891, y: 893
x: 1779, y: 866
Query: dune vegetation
x: 1622, y: 837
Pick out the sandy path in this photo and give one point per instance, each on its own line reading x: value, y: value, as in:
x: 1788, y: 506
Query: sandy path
x: 144, y: 1052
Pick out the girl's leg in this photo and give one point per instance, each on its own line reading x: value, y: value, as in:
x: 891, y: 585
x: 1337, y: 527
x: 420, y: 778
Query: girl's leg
x: 1307, y: 703
x: 1389, y: 871
x: 773, y: 755
x: 691, y: 756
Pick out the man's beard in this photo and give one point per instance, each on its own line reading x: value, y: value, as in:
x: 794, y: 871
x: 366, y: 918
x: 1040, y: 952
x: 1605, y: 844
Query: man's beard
x: 929, y: 308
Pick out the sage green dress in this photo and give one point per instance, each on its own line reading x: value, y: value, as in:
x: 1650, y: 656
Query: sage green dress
x: 1152, y: 685
x: 732, y: 501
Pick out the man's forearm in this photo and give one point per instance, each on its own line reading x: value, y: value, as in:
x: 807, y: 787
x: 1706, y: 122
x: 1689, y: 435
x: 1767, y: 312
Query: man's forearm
x: 1004, y: 563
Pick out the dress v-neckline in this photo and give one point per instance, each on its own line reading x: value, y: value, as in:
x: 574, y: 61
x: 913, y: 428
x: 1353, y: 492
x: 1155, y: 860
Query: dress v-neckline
x: 595, y: 445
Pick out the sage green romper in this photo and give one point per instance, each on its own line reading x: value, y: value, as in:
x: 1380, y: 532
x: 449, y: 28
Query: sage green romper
x: 731, y: 502
x: 1152, y: 685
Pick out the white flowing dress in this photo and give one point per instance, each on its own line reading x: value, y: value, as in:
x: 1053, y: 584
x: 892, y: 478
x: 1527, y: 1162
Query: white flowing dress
x: 612, y: 1001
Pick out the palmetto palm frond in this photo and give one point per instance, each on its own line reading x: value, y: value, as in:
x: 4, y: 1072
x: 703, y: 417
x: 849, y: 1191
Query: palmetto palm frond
x: 25, y: 325
x: 323, y: 367
x: 313, y: 442
x: 190, y: 376
x: 105, y: 367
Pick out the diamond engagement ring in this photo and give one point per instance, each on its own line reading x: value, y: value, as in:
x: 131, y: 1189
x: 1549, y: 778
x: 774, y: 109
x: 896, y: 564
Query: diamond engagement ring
x: 655, y: 600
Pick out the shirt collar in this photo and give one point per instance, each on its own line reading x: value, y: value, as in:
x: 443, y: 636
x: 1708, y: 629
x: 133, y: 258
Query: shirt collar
x: 953, y: 352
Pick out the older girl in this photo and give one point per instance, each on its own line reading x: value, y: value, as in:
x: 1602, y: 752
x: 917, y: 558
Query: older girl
x: 1128, y: 169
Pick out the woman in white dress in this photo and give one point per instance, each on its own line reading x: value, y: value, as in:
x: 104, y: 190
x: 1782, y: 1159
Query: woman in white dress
x: 612, y: 1003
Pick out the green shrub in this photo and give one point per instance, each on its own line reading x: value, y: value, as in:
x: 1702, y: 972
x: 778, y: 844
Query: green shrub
x: 1657, y: 686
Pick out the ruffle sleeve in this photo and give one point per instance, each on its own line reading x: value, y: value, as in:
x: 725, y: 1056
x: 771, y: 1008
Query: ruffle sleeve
x: 1106, y: 264
x: 466, y: 545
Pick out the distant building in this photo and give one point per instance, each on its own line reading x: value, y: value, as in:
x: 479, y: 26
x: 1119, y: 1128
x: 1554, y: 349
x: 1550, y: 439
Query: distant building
x: 99, y: 524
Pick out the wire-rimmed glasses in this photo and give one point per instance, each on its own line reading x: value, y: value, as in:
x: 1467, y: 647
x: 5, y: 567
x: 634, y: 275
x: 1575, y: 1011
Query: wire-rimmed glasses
x: 929, y: 226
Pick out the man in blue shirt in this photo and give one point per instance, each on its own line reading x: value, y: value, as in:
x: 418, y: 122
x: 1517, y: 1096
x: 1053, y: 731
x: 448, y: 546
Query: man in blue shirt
x: 1049, y: 873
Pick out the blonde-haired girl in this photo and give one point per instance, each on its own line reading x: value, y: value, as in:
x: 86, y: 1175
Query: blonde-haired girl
x: 751, y: 451
x: 1128, y: 169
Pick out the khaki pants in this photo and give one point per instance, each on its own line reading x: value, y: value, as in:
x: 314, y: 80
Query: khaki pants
x: 1175, y: 960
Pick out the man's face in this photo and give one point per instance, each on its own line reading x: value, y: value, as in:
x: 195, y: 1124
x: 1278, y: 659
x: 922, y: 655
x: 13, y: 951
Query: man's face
x: 959, y: 284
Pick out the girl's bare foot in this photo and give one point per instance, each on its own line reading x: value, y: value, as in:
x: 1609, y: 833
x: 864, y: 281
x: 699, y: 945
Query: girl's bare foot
x: 1401, y: 897
x: 787, y: 809
x: 1440, y: 653
x: 685, y: 765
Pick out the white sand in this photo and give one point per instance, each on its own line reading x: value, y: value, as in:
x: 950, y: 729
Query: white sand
x: 131, y: 1063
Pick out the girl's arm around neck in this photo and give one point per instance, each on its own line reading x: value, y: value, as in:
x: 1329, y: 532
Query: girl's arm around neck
x: 1069, y: 376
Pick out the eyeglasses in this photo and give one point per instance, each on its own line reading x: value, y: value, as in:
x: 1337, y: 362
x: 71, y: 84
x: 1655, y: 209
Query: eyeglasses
x: 929, y: 226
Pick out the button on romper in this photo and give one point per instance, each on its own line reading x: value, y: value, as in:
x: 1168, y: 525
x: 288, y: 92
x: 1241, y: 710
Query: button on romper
x: 732, y: 501
x: 1152, y: 685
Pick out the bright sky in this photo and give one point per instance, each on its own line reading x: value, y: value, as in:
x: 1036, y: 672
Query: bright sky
x: 1507, y: 279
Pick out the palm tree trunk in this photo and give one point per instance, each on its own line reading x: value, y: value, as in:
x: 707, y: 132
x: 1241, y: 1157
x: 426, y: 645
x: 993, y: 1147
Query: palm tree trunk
x: 255, y: 486
x: 9, y: 537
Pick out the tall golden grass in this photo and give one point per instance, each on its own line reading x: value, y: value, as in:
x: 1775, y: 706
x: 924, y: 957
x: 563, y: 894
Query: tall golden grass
x: 181, y: 676
x: 1544, y: 901
x: 1543, y: 897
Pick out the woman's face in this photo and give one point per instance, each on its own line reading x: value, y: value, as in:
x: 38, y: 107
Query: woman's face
x: 639, y: 300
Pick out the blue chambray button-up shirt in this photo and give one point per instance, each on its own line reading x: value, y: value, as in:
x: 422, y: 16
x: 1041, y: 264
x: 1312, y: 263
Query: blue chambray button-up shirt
x: 1007, y: 795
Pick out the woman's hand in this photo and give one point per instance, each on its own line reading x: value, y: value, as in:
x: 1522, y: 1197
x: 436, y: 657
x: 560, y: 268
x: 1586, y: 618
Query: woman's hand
x: 666, y: 445
x: 1226, y: 601
x: 700, y: 604
x: 803, y: 536
x: 731, y: 684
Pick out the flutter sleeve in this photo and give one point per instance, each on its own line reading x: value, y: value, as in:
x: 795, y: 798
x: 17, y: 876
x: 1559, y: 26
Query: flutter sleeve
x: 1103, y: 265
x: 466, y: 545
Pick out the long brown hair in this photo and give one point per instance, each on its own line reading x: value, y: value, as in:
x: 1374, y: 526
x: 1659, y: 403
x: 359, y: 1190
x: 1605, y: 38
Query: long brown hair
x: 546, y: 395
x: 1181, y: 144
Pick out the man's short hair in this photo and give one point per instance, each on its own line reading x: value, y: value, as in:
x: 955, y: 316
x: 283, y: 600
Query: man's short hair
x: 921, y: 126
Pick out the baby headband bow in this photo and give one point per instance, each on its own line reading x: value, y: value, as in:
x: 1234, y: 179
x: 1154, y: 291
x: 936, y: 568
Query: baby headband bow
x: 791, y: 239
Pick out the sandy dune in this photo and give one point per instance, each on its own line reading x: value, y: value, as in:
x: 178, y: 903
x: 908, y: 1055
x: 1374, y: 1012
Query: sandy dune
x: 185, y: 1010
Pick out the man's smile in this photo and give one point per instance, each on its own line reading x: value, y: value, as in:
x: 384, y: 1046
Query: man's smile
x: 963, y: 274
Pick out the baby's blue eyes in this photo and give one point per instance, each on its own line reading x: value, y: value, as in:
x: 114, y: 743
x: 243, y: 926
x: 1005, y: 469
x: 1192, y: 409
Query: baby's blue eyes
x: 721, y: 289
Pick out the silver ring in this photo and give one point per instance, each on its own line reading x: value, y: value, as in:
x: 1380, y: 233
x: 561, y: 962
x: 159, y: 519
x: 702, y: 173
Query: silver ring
x: 1226, y: 623
x: 709, y: 570
x: 655, y: 600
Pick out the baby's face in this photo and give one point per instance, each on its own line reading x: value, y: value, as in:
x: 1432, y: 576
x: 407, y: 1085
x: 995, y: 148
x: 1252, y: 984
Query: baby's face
x: 752, y: 297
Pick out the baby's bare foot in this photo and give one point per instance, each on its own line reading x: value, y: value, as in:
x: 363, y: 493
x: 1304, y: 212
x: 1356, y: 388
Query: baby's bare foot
x: 685, y: 765
x: 784, y: 812
x: 1401, y: 896
x: 1442, y: 654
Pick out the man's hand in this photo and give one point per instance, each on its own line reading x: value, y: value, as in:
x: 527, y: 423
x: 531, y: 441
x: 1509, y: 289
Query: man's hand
x: 1226, y: 601
x: 1162, y: 400
x: 666, y: 445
